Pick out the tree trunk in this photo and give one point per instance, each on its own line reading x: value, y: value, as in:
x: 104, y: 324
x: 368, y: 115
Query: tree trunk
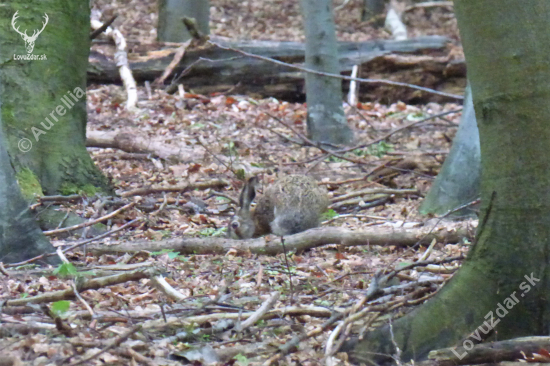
x: 44, y: 100
x: 504, y: 282
x: 171, y: 12
x: 326, y: 121
x: 20, y: 236
x: 458, y: 181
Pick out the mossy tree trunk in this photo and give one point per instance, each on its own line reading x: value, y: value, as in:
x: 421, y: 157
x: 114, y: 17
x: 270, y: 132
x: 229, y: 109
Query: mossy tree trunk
x: 20, y: 236
x: 505, y: 278
x: 326, y: 121
x: 44, y: 100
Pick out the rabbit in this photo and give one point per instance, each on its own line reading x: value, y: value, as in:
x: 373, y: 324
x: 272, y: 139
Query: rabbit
x: 292, y: 205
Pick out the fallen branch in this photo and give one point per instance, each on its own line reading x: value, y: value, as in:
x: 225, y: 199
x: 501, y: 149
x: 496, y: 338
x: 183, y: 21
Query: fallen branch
x: 131, y: 143
x: 104, y: 27
x: 364, y: 192
x: 115, y: 343
x: 429, y: 4
x: 121, y: 59
x: 215, y: 183
x: 92, y: 284
x: 179, y: 321
x: 258, y: 314
x: 309, y: 239
x: 492, y: 352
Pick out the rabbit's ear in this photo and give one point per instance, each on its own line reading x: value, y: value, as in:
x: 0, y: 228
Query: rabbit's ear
x: 248, y: 193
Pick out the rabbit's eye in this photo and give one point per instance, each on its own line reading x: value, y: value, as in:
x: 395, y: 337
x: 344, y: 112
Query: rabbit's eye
x: 235, y: 224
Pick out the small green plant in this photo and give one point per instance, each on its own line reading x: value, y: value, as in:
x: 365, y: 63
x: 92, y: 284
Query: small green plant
x: 229, y: 149
x: 322, y: 303
x: 210, y: 231
x: 197, y: 126
x: 166, y: 234
x: 170, y: 252
x: 242, y: 360
x: 380, y: 149
x: 241, y: 174
x: 327, y: 215
x: 66, y: 270
x: 416, y: 116
x: 60, y: 308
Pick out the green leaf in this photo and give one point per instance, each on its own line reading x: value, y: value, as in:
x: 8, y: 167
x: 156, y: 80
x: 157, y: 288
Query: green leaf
x: 402, y: 264
x: 241, y: 174
x: 164, y: 251
x: 65, y: 270
x: 242, y: 360
x: 60, y: 307
x: 327, y: 215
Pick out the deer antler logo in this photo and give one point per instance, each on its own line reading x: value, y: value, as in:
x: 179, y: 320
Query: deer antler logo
x: 29, y: 41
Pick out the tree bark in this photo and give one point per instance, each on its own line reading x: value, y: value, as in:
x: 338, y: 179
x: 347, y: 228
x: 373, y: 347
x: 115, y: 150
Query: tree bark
x: 20, y: 236
x: 171, y: 12
x: 44, y: 101
x: 326, y: 121
x: 506, y: 274
x: 458, y: 181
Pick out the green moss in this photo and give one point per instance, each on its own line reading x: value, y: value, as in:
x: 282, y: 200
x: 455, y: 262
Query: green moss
x: 69, y: 188
x: 29, y: 184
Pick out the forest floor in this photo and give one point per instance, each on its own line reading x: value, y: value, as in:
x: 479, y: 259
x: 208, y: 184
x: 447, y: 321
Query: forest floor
x: 222, y: 137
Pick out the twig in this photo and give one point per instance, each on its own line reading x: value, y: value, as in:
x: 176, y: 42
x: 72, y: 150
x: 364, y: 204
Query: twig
x: 316, y: 144
x: 199, y: 140
x: 163, y: 286
x: 429, y: 4
x: 220, y: 194
x: 101, y: 29
x: 294, y: 342
x: 116, y: 342
x: 175, y: 61
x: 180, y: 188
x: 266, y: 306
x: 364, y: 192
x: 60, y: 198
x: 129, y: 352
x: 4, y: 272
x: 89, y: 223
x: 121, y: 60
x: 386, y: 136
x: 81, y: 299
x: 104, y: 235
x: 289, y: 272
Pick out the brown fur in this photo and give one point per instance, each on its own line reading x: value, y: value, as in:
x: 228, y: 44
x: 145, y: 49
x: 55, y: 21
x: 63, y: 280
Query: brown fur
x: 292, y: 205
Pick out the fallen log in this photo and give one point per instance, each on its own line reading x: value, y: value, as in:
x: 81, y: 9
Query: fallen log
x: 509, y: 350
x: 420, y: 61
x: 271, y: 245
x: 132, y: 143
